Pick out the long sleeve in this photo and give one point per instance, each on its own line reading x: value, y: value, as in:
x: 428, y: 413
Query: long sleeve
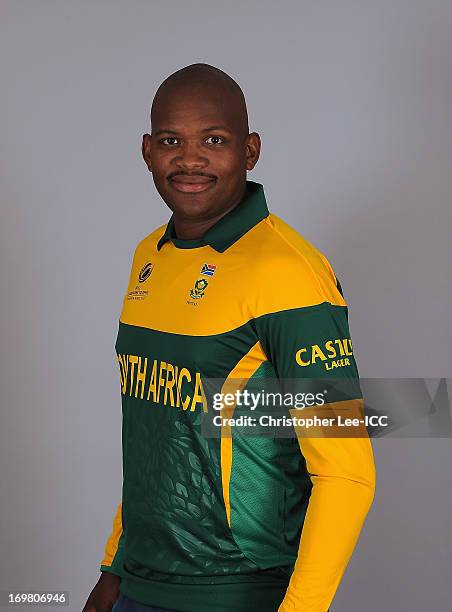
x: 313, y: 343
x: 114, y: 548
x: 343, y: 477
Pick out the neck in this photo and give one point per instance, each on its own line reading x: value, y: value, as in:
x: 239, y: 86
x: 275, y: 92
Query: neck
x: 189, y: 229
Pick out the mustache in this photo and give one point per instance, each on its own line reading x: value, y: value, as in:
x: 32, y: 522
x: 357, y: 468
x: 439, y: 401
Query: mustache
x: 178, y: 173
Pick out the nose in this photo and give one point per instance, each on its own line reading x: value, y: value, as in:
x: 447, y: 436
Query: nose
x: 190, y: 158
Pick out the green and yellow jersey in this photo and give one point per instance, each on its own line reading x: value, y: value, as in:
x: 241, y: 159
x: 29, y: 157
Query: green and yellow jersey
x: 232, y: 523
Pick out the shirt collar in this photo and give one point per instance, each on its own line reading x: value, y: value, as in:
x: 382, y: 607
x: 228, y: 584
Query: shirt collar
x: 227, y: 230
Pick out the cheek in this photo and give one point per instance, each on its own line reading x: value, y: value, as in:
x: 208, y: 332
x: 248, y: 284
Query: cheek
x: 229, y: 161
x: 158, y: 160
x: 162, y: 158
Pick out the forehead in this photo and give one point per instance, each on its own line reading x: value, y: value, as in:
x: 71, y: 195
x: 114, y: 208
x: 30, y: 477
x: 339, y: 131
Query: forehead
x: 194, y: 108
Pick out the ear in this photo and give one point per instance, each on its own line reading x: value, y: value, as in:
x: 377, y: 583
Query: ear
x: 253, y: 149
x: 146, y: 150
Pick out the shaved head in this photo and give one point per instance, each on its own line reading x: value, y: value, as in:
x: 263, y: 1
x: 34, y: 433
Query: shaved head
x: 207, y: 81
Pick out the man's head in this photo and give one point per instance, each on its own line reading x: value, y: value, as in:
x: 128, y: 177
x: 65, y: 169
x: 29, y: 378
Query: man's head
x: 199, y: 149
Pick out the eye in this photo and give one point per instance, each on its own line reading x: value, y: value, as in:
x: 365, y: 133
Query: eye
x: 216, y: 138
x: 168, y: 138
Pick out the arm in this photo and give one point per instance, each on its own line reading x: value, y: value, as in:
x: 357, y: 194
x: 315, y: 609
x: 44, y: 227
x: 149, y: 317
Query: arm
x: 114, y: 548
x: 302, y: 343
x: 343, y: 477
x: 106, y: 590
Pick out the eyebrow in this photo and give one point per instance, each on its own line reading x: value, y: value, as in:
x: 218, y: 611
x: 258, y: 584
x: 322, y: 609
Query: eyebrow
x: 216, y: 127
x: 208, y: 129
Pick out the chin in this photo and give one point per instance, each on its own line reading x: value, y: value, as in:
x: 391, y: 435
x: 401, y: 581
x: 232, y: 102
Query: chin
x: 193, y: 209
x: 189, y: 204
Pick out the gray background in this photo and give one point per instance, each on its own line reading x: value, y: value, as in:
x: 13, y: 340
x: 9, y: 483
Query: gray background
x: 353, y: 101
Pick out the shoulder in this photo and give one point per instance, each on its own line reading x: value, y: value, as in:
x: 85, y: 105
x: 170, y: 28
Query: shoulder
x: 290, y: 271
x: 148, y: 244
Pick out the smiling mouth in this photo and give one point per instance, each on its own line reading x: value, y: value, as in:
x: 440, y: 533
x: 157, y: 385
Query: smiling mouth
x: 192, y: 184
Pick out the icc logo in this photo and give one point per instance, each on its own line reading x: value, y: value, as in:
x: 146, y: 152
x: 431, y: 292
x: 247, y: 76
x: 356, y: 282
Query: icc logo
x: 145, y: 272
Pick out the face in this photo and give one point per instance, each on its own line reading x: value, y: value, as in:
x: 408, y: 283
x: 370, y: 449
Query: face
x: 198, y: 154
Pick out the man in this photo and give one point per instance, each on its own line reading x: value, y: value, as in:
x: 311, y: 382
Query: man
x: 226, y: 290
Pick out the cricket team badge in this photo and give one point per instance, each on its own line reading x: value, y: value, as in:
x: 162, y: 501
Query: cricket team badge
x: 197, y: 291
x: 199, y: 288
